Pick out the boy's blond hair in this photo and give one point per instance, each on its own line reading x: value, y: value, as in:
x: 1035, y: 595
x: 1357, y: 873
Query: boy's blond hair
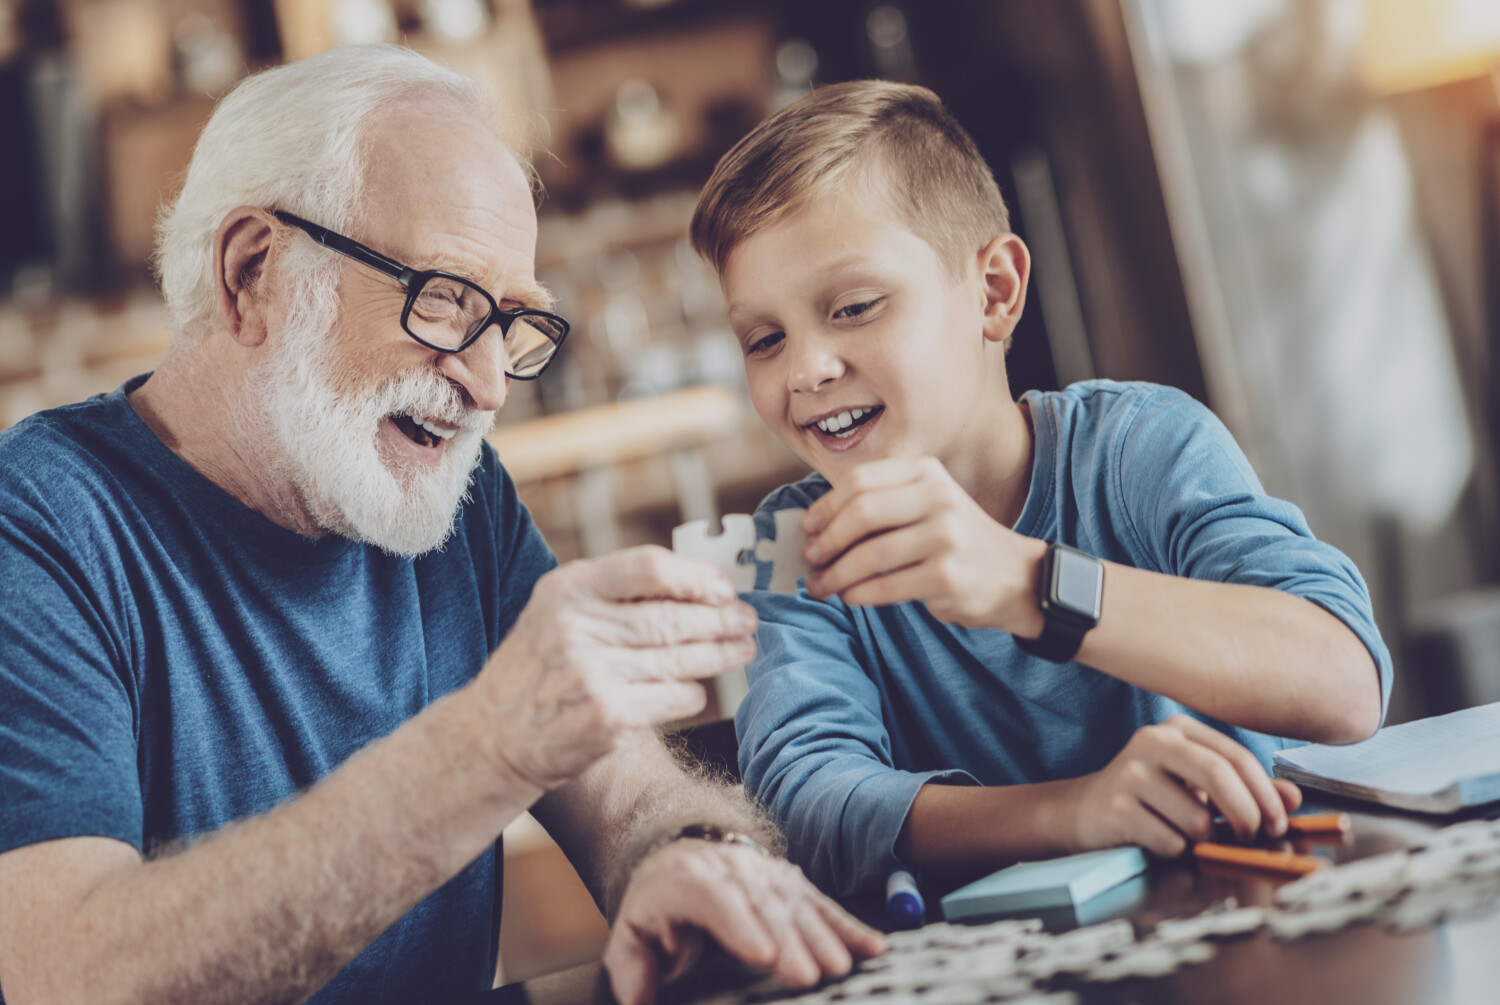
x: 897, y: 136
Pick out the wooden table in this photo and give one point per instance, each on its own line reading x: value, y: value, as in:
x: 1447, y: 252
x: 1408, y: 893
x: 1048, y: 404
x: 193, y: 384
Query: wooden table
x: 1456, y: 963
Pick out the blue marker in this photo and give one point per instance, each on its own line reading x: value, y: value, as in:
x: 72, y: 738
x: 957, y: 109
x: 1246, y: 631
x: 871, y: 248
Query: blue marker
x: 903, y: 901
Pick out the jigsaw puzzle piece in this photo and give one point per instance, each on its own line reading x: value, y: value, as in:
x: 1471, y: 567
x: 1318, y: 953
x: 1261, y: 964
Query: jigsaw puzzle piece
x: 784, y: 554
x: 726, y: 550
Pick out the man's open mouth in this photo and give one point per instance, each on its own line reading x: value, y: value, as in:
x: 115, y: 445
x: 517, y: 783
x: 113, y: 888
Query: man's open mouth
x: 422, y: 432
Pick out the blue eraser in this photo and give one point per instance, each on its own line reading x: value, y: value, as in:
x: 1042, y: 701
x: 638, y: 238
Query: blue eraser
x: 1038, y: 886
x: 903, y: 900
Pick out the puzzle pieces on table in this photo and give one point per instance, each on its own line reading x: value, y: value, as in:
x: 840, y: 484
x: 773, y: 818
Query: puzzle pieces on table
x: 743, y: 556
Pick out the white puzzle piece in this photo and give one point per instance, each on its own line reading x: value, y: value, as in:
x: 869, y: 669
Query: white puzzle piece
x: 740, y: 555
x: 785, y: 553
x: 725, y: 550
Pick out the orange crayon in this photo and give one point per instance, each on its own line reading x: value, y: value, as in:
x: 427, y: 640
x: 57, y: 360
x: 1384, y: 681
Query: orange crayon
x: 1319, y: 823
x: 1284, y: 862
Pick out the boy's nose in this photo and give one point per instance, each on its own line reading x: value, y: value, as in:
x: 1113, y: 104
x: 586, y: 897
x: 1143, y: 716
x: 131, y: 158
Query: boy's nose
x: 812, y: 364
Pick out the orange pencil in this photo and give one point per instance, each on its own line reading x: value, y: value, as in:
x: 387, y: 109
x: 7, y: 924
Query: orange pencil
x: 1319, y: 823
x: 1284, y: 862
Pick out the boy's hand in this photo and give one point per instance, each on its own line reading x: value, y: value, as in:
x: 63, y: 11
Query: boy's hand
x: 1162, y: 790
x: 902, y: 529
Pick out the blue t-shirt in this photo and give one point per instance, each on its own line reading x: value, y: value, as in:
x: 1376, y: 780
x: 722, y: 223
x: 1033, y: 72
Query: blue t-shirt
x: 852, y: 709
x: 171, y: 661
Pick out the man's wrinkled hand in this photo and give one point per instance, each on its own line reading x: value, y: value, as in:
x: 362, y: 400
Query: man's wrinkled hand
x: 761, y: 910
x: 606, y: 648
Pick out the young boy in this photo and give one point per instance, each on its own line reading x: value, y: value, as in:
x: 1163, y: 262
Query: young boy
x: 916, y: 703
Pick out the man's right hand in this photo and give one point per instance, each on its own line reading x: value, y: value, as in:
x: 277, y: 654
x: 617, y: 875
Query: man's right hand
x: 1162, y: 790
x: 606, y: 647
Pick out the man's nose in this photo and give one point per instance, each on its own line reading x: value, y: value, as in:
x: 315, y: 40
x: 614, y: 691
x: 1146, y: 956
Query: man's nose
x: 480, y: 370
x: 812, y: 362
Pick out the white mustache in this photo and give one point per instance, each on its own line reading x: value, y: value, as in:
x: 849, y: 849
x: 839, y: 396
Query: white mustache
x: 423, y: 392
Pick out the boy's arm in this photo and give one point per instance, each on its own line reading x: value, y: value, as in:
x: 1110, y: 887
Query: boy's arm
x: 814, y: 748
x: 1238, y: 628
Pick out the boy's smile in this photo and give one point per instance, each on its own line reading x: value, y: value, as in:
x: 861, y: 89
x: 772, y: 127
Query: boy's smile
x: 860, y: 344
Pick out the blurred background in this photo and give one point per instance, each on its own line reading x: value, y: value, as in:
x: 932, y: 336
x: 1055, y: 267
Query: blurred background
x: 1288, y: 208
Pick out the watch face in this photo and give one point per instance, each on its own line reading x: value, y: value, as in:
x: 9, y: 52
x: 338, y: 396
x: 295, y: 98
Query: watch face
x: 1076, y: 582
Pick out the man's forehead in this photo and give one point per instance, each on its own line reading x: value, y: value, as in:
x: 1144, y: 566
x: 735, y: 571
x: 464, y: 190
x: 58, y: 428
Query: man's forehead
x: 446, y: 193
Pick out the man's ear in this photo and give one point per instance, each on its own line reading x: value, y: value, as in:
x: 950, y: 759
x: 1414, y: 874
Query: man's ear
x: 242, y: 248
x: 1004, y: 269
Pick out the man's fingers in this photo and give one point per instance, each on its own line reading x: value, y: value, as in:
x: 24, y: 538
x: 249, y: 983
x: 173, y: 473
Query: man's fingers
x: 1271, y: 810
x: 691, y: 661
x: 651, y: 703
x: 632, y: 967
x: 828, y: 951
x: 862, y: 940
x: 670, y: 622
x: 651, y: 572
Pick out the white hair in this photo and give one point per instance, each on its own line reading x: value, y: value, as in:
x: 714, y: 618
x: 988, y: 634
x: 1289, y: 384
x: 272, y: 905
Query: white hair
x: 291, y: 138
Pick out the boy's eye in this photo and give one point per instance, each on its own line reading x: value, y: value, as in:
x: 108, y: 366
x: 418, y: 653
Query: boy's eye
x: 764, y: 343
x: 852, y: 311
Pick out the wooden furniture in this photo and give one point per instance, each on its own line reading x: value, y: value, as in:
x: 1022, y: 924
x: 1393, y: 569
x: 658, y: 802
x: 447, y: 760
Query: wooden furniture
x: 1452, y: 964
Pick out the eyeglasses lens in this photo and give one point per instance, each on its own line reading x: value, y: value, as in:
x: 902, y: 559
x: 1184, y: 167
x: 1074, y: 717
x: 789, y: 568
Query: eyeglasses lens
x: 445, y: 310
x: 530, y: 343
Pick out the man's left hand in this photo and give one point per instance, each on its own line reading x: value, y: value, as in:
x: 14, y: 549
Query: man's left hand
x: 761, y: 910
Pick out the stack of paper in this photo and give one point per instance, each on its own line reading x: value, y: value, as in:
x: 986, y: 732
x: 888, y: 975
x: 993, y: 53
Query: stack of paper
x: 1437, y: 765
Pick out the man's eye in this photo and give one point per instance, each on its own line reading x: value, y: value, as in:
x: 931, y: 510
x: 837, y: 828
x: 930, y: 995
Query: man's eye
x: 855, y: 310
x: 764, y: 344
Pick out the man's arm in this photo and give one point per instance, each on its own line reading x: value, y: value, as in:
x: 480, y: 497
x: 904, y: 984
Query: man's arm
x: 616, y: 821
x: 270, y: 909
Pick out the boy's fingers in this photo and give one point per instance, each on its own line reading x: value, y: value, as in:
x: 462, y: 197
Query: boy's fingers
x: 871, y: 559
x: 870, y: 513
x: 1154, y: 834
x: 1291, y: 795
x: 1198, y: 765
x: 868, y: 477
x: 1174, y: 804
x: 1247, y: 766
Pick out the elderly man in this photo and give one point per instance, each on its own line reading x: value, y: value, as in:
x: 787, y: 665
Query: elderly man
x: 281, y: 652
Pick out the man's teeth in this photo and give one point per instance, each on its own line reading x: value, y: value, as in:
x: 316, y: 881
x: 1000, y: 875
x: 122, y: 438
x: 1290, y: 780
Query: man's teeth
x: 834, y: 423
x: 442, y: 434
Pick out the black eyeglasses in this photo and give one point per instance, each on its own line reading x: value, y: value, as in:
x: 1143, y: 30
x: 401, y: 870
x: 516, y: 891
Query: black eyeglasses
x: 447, y: 313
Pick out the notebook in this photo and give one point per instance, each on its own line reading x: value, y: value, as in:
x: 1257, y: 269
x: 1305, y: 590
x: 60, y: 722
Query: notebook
x: 1040, y: 886
x: 1437, y: 765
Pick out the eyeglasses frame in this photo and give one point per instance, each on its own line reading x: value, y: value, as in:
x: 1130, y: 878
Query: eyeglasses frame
x: 412, y: 280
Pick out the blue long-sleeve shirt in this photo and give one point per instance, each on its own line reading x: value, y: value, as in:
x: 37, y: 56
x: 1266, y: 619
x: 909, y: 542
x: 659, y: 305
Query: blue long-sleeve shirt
x: 852, y: 709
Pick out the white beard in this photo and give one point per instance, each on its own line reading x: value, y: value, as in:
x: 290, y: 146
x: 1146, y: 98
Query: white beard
x: 326, y: 425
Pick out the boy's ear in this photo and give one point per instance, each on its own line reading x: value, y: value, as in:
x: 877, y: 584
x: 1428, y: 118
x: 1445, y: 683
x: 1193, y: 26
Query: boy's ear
x: 1004, y: 269
x: 241, y: 247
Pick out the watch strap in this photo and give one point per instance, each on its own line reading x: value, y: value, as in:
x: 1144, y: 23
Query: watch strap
x: 1058, y: 642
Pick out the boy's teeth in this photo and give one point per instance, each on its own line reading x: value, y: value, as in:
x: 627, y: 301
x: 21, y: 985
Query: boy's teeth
x: 843, y: 420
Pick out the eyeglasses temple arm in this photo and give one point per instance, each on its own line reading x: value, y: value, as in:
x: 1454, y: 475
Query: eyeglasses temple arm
x: 349, y: 248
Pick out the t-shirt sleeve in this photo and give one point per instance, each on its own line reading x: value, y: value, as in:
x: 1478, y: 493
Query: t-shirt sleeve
x: 1195, y: 508
x: 814, y: 747
x: 67, y: 731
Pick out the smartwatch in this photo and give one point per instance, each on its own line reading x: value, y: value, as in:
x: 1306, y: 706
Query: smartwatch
x: 1070, y: 593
